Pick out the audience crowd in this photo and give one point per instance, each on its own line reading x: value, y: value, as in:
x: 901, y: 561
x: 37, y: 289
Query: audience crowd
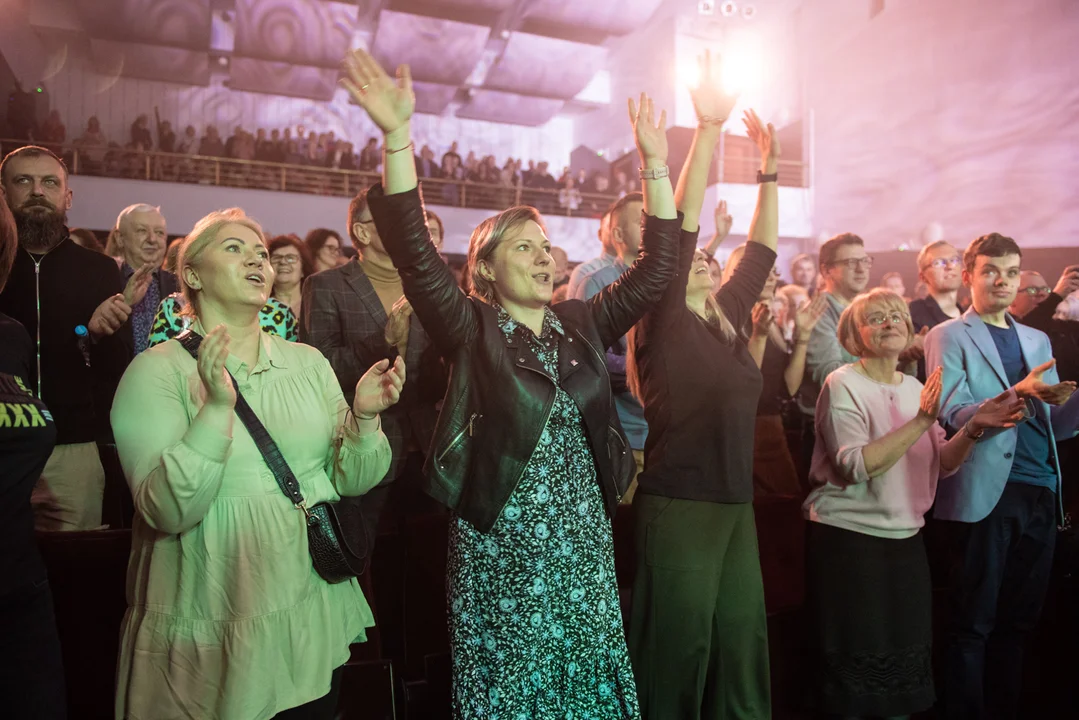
x: 471, y: 181
x: 526, y: 400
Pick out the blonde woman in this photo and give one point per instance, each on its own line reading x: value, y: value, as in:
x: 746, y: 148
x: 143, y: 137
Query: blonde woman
x: 878, y: 456
x: 227, y: 617
x: 528, y: 452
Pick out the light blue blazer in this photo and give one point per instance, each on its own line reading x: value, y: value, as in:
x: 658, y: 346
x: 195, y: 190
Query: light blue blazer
x: 973, y: 372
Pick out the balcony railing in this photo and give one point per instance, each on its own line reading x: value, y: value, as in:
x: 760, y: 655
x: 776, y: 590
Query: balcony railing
x: 114, y: 162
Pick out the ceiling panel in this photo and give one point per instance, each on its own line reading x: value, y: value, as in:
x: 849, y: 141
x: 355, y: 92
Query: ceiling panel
x: 545, y: 66
x: 493, y: 6
x: 282, y: 78
x: 438, y: 51
x: 605, y: 17
x: 175, y: 23
x: 502, y: 107
x: 150, y: 62
x: 432, y: 98
x: 305, y: 32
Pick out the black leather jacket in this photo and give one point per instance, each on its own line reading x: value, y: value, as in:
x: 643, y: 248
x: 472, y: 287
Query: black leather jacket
x: 499, y: 398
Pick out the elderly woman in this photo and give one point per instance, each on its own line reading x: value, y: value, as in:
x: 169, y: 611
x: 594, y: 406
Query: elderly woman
x: 878, y: 456
x: 227, y: 616
x: 698, y: 633
x: 291, y: 264
x: 528, y: 452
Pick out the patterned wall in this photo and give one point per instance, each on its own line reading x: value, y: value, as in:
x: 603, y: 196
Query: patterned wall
x: 959, y: 113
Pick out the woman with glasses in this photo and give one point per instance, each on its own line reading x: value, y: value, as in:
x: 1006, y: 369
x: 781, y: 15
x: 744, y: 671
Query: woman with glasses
x: 291, y: 264
x: 324, y: 245
x: 878, y: 455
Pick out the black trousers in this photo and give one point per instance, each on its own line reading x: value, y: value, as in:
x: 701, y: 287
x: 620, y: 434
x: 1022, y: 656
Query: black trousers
x: 1000, y: 575
x: 31, y: 666
x: 324, y: 708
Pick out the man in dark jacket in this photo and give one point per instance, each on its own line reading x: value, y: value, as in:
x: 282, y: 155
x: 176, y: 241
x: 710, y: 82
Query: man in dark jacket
x: 74, y: 305
x: 142, y: 235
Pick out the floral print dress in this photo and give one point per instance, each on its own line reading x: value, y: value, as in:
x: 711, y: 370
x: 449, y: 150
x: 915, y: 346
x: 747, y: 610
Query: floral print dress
x: 535, y: 623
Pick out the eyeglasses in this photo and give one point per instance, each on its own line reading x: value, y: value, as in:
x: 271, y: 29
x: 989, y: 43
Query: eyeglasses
x: 878, y: 319
x: 284, y: 259
x: 331, y: 250
x: 854, y: 263
x: 942, y: 263
x: 1034, y: 290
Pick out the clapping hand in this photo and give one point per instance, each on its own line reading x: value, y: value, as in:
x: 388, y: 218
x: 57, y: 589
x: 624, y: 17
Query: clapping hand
x: 765, y: 139
x: 109, y: 316
x: 998, y: 412
x: 1034, y: 387
x: 762, y: 318
x: 929, y: 405
x: 138, y: 283
x: 379, y: 388
x: 213, y: 352
x: 724, y: 221
x: 711, y: 103
x: 807, y: 315
x: 387, y: 101
x: 650, y: 137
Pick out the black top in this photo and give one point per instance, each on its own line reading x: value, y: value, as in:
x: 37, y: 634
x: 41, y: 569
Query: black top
x: 27, y: 434
x: 73, y: 282
x: 926, y: 313
x: 774, y: 388
x: 1063, y: 335
x: 700, y: 392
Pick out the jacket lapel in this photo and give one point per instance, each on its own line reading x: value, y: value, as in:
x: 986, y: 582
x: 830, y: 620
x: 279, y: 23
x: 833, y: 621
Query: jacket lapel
x: 571, y: 353
x: 358, y: 281
x: 979, y: 333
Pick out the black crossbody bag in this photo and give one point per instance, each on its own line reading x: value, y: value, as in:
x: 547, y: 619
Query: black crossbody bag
x: 332, y: 528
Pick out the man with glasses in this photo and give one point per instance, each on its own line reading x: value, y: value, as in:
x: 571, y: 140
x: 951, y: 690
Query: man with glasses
x: 1003, y: 502
x: 941, y: 269
x: 356, y: 314
x: 844, y: 266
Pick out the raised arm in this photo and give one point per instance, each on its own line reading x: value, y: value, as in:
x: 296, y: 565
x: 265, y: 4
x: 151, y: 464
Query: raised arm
x: 724, y: 221
x: 397, y: 207
x: 713, y: 106
x: 764, y: 228
x: 618, y: 307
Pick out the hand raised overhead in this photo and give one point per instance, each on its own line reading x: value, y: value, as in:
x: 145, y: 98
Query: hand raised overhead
x: 650, y: 136
x: 388, y: 101
x: 711, y: 102
x: 764, y: 136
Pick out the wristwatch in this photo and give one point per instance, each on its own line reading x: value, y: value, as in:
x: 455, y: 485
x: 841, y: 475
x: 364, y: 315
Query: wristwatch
x: 971, y: 435
x: 655, y: 173
x: 770, y: 177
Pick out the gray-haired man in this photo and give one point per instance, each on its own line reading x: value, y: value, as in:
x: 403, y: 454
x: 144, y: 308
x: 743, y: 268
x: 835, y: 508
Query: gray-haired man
x: 141, y: 237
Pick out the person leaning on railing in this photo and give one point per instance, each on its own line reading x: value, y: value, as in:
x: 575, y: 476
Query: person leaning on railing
x: 227, y: 616
x: 528, y: 452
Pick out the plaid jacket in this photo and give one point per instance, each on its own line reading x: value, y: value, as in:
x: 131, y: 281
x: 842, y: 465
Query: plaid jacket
x: 342, y: 316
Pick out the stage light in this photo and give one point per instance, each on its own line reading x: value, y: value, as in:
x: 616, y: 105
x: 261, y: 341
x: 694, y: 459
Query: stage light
x: 729, y: 8
x: 749, y: 11
x: 706, y: 7
x: 742, y: 61
x: 688, y: 73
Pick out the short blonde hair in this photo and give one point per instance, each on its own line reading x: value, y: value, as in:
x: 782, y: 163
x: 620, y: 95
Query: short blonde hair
x: 200, y: 237
x: 485, y: 240
x: 854, y: 317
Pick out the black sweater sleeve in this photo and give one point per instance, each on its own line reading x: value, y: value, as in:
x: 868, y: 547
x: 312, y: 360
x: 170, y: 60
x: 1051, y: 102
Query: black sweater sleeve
x: 1041, y: 317
x: 741, y: 292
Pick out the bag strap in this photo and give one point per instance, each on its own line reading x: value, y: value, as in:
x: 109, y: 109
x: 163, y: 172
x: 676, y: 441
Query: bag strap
x: 282, y: 473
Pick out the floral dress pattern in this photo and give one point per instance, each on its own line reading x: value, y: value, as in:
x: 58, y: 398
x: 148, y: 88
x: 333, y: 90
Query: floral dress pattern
x: 535, y: 623
x: 275, y: 317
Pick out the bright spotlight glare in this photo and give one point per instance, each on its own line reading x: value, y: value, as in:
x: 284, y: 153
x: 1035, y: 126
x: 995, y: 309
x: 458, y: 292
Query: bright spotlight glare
x: 689, y: 73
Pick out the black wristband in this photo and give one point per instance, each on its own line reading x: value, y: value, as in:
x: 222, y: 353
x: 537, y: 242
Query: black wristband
x: 771, y: 177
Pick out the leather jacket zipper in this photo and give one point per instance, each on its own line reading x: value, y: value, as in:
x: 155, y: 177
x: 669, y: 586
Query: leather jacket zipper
x: 469, y: 428
x: 37, y: 306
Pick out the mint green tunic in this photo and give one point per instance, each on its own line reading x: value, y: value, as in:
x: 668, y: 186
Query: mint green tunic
x: 227, y: 618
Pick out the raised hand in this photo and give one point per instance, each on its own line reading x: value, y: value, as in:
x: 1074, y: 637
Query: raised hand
x: 724, y: 221
x: 388, y: 101
x: 764, y: 136
x: 998, y: 412
x: 138, y: 283
x: 711, y: 103
x: 650, y: 137
x: 109, y: 316
x: 397, y: 324
x: 213, y: 352
x: 762, y: 318
x: 1033, y: 386
x: 379, y: 388
x: 807, y: 315
x: 929, y: 404
x: 1069, y: 281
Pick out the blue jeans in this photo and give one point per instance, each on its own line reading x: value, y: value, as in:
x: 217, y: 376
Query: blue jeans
x: 1000, y: 578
